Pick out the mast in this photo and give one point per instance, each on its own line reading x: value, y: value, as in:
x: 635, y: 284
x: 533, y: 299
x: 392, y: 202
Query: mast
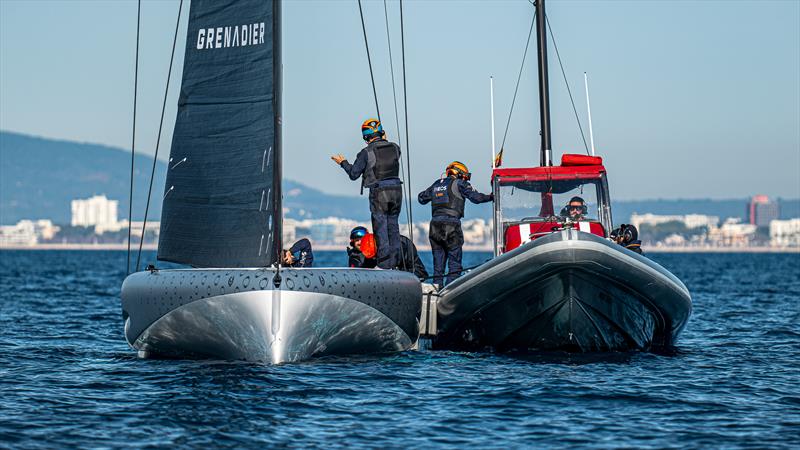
x: 544, y: 98
x: 277, y: 89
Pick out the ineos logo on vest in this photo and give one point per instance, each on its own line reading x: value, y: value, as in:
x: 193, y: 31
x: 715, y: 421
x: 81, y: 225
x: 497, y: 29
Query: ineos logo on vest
x: 236, y: 36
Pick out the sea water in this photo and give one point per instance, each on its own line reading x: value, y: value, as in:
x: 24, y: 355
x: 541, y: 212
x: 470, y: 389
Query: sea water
x: 68, y: 378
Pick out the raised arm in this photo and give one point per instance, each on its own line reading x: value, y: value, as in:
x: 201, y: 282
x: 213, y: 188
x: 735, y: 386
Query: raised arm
x: 354, y: 170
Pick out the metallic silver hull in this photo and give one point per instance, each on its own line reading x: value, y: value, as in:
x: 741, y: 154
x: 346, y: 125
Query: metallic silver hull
x: 237, y: 314
x: 569, y: 291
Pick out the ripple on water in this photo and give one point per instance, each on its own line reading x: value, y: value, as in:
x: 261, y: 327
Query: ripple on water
x: 68, y: 379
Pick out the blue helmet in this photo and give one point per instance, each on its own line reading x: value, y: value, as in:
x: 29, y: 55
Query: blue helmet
x: 358, y: 233
x: 370, y: 128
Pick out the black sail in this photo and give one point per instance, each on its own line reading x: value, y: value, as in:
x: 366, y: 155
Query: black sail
x: 222, y: 200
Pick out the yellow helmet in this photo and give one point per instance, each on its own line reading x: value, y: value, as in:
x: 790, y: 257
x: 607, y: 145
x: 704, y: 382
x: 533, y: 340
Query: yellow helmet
x: 459, y: 170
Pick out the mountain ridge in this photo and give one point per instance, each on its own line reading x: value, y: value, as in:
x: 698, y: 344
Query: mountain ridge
x: 40, y: 176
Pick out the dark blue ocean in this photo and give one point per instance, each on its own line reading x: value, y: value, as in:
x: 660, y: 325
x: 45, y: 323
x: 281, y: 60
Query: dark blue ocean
x: 68, y: 378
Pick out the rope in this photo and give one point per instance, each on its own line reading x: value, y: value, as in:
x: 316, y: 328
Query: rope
x: 133, y: 135
x: 519, y: 77
x: 369, y: 60
x: 583, y: 136
x: 158, y: 138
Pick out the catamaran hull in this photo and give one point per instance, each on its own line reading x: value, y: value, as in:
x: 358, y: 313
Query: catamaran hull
x: 570, y: 291
x: 238, y: 314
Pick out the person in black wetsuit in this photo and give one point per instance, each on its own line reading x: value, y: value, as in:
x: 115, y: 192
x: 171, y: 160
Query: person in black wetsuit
x: 446, y: 197
x: 299, y: 254
x: 410, y: 261
x: 355, y: 257
x: 378, y: 166
x: 628, y: 237
x: 409, y: 256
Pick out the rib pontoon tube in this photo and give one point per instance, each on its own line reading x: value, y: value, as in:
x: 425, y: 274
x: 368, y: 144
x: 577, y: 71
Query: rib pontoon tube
x: 569, y: 290
x: 238, y: 314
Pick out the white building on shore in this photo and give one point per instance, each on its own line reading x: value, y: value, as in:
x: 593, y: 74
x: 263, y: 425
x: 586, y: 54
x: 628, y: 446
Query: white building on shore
x: 784, y: 233
x: 97, y: 211
x: 732, y: 233
x: 27, y: 233
x: 689, y: 220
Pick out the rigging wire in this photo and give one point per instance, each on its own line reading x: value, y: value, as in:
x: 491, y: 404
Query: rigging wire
x: 158, y: 138
x: 375, y: 94
x: 519, y: 77
x: 133, y: 135
x: 583, y: 136
x: 397, y: 120
x: 405, y: 113
x: 369, y: 60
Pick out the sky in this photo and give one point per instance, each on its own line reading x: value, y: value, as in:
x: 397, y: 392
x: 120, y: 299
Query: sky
x: 689, y: 99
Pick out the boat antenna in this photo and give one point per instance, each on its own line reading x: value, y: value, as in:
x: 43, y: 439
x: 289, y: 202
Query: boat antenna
x: 133, y: 135
x: 491, y: 107
x: 546, y: 158
x: 588, y: 110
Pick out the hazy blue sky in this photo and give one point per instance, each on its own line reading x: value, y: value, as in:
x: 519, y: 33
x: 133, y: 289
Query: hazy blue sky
x: 690, y: 99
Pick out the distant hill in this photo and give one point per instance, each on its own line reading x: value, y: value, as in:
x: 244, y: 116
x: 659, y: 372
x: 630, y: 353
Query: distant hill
x: 40, y: 177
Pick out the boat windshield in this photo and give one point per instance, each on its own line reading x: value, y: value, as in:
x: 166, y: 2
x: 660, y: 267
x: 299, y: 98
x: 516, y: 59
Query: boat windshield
x: 546, y: 200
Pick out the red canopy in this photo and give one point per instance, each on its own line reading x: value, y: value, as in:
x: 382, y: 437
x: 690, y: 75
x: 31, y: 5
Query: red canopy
x: 572, y: 166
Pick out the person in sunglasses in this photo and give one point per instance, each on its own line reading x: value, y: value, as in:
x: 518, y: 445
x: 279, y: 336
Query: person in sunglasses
x: 575, y: 210
x: 447, y: 197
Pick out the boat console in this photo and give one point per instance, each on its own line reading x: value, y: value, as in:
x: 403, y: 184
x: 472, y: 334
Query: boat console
x: 519, y: 233
x: 526, y: 200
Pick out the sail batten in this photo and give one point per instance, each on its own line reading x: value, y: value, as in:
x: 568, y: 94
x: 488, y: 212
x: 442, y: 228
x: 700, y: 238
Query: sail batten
x: 221, y: 204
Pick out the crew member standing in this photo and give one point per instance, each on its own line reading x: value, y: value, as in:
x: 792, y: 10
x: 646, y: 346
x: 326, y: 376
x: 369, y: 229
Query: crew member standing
x: 446, y: 197
x: 378, y: 165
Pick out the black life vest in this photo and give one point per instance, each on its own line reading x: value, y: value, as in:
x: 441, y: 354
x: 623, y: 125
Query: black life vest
x: 383, y: 162
x: 447, y: 199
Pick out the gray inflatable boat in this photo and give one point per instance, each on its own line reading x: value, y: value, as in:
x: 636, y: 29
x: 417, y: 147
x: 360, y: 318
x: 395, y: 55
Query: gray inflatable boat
x: 569, y: 290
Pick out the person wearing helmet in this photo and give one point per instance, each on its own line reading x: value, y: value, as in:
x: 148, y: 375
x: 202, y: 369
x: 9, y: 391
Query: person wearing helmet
x: 378, y: 166
x: 355, y: 257
x: 447, y: 198
x: 299, y: 254
x: 575, y: 210
x: 362, y: 253
x: 628, y: 237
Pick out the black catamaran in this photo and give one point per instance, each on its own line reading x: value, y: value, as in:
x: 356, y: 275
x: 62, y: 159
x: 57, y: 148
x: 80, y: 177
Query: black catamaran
x: 557, y: 282
x: 222, y: 216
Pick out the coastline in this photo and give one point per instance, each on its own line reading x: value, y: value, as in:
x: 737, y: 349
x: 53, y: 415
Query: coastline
x: 467, y: 248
